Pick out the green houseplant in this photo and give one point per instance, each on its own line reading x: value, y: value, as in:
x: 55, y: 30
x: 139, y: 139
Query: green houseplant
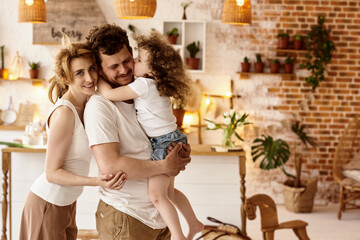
x: 34, y: 69
x: 283, y: 40
x: 298, y: 195
x: 259, y: 65
x: 320, y: 48
x: 298, y: 42
x: 275, y: 66
x: 193, y: 61
x: 245, y: 65
x: 289, y: 64
x: 173, y: 35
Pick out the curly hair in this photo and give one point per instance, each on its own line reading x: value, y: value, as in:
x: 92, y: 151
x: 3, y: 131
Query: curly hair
x: 59, y: 83
x: 166, y: 65
x: 107, y: 38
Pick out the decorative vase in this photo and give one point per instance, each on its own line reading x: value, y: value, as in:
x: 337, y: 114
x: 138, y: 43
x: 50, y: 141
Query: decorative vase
x: 179, y: 115
x: 184, y: 14
x: 227, y: 140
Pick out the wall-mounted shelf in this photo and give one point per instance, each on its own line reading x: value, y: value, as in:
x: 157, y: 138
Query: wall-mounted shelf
x: 35, y: 81
x: 284, y: 76
x: 284, y: 52
x: 11, y: 128
x: 189, y: 31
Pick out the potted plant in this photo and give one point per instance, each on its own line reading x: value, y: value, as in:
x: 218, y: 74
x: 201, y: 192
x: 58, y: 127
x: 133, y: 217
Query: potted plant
x: 283, y: 40
x: 319, y: 47
x: 178, y: 111
x: 298, y: 42
x: 173, y: 35
x: 275, y: 66
x: 259, y: 65
x: 34, y: 69
x: 245, y: 65
x: 298, y: 195
x: 232, y: 121
x: 193, y: 61
x: 289, y: 64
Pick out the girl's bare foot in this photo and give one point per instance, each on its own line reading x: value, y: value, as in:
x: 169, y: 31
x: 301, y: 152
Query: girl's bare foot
x: 193, y: 230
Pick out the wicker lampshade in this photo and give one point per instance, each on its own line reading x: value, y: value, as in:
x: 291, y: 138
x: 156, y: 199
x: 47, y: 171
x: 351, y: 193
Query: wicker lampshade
x: 32, y: 11
x: 135, y: 9
x: 236, y: 12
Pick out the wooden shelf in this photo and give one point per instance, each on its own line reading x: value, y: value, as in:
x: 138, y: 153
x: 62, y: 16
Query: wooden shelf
x: 284, y: 52
x: 35, y: 81
x: 11, y: 128
x: 284, y: 76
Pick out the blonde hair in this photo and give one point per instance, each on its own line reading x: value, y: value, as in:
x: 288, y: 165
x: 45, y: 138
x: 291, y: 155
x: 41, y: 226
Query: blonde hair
x: 166, y: 66
x: 59, y: 83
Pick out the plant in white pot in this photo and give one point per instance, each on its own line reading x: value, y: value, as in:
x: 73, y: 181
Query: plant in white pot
x: 298, y: 195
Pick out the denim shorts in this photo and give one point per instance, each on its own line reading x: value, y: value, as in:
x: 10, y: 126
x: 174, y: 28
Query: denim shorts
x: 161, y: 143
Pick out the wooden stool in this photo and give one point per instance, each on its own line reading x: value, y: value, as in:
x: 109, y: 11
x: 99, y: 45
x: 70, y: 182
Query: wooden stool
x: 87, y: 234
x: 269, y: 218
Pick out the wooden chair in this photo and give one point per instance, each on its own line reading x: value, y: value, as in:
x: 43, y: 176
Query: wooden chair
x: 269, y: 218
x: 348, y: 145
x: 86, y: 234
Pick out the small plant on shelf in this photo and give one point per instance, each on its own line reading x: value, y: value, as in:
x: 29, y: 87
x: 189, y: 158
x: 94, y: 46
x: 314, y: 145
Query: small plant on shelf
x: 34, y: 69
x: 245, y: 65
x: 289, y: 64
x: 275, y: 66
x: 283, y: 40
x: 320, y: 48
x: 259, y: 65
x: 193, y: 61
x: 173, y: 35
x: 298, y: 42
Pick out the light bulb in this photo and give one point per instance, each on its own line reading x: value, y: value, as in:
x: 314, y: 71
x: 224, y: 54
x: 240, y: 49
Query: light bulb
x: 207, y: 101
x: 29, y: 2
x: 240, y: 3
x: 228, y: 94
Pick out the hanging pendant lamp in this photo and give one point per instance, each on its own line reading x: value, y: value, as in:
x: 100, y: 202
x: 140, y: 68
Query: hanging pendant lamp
x: 236, y: 12
x: 135, y: 9
x: 32, y: 11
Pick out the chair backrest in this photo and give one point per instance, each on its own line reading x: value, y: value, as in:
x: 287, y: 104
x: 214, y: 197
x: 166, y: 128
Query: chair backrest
x: 348, y: 145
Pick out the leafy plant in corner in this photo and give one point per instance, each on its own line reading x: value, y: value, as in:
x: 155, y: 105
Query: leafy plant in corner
x: 193, y: 48
x: 319, y: 54
x: 275, y: 153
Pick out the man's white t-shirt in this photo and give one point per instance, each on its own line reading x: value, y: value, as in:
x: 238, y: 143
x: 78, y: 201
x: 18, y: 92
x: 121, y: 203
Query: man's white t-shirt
x: 107, y: 122
x: 154, y: 112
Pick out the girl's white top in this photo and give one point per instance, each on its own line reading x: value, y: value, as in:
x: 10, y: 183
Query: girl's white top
x: 154, y: 112
x: 77, y: 161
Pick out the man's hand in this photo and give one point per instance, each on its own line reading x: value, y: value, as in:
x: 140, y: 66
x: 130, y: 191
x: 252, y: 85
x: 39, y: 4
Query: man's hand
x: 113, y: 182
x: 177, y: 158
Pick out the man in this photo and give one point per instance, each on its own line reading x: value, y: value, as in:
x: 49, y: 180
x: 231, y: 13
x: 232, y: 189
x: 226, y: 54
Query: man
x: 119, y: 143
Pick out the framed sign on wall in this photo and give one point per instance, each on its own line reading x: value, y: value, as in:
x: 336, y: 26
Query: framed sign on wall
x: 73, y: 17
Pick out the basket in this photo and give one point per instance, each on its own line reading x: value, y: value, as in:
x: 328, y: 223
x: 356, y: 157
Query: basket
x: 34, y: 13
x: 140, y: 9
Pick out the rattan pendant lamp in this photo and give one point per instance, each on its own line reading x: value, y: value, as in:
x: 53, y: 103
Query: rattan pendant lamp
x: 32, y: 11
x: 237, y: 12
x: 135, y: 9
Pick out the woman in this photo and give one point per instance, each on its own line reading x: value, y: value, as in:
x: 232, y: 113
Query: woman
x: 50, y: 207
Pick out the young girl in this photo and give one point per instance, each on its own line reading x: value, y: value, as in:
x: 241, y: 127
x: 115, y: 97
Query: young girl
x: 50, y: 207
x: 160, y: 74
